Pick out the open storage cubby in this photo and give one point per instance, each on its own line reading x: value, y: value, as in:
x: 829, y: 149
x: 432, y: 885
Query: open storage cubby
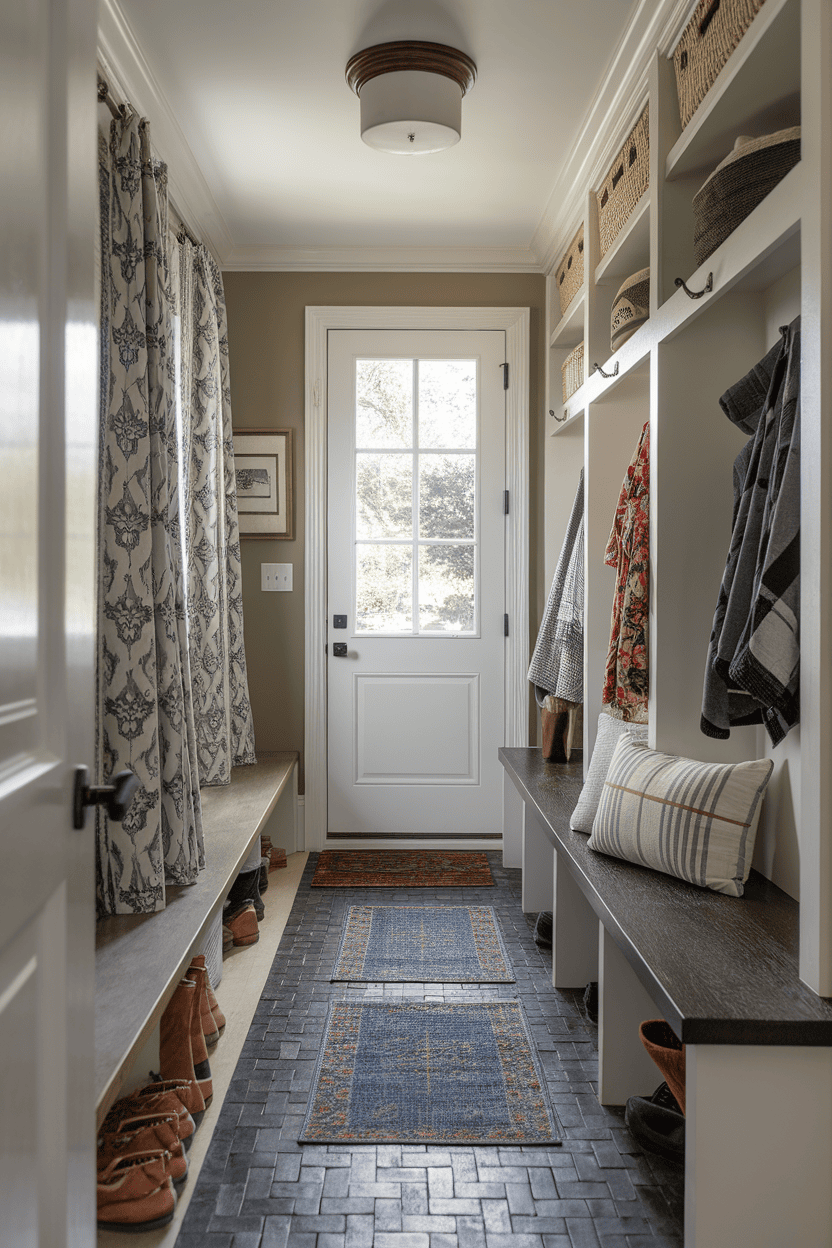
x: 776, y: 265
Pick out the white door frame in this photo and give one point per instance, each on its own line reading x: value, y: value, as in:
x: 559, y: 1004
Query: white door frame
x: 319, y: 321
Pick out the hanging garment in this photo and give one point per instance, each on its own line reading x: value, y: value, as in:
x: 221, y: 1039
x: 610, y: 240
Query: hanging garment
x: 752, y: 673
x: 557, y: 665
x: 628, y: 551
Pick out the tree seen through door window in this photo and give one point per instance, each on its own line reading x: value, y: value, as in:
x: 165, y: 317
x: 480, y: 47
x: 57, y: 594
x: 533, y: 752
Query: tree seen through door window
x: 416, y: 496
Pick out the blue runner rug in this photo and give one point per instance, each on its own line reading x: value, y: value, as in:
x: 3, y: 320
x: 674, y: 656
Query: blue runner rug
x: 426, y: 1074
x: 423, y: 944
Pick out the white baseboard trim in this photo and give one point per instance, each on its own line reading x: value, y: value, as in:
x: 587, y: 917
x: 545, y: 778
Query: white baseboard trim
x: 302, y: 822
x: 379, y: 843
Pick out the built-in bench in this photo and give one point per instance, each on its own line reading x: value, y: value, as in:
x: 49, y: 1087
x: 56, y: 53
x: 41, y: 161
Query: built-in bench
x: 723, y: 972
x: 140, y: 958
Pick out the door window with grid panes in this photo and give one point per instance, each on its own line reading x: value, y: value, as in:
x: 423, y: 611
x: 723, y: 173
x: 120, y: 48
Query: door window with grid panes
x: 416, y: 523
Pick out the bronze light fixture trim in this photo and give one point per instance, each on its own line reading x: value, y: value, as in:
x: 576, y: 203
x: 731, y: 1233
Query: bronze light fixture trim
x: 411, y: 94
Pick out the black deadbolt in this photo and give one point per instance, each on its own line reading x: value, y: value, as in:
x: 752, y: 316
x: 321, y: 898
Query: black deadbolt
x: 339, y: 621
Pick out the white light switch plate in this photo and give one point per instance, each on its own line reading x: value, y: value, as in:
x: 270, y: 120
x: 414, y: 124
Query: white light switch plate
x: 276, y: 577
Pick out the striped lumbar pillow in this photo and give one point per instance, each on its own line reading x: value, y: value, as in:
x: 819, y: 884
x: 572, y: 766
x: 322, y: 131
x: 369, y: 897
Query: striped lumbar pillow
x: 693, y: 820
x: 609, y: 732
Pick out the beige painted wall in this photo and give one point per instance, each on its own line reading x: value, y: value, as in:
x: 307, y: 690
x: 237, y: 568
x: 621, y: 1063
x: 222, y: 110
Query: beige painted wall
x: 265, y: 332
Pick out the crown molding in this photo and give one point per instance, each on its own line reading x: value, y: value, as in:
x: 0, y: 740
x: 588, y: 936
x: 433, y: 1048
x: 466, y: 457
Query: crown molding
x: 614, y: 110
x: 130, y: 75
x: 382, y: 259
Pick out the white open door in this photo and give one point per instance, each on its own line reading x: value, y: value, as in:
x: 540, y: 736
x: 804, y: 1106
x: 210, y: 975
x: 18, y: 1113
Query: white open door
x: 48, y: 367
x: 416, y: 584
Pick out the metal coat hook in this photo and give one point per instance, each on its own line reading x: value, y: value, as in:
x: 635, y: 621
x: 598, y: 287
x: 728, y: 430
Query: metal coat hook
x: 596, y: 368
x: 559, y: 419
x: 696, y: 294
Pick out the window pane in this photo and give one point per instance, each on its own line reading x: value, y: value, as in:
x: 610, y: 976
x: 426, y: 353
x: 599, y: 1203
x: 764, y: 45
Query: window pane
x: 384, y: 496
x: 448, y: 403
x: 446, y: 589
x: 384, y: 589
x: 446, y: 495
x: 383, y: 403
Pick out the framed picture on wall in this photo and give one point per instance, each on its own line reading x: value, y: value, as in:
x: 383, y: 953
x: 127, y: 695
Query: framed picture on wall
x: 263, y: 469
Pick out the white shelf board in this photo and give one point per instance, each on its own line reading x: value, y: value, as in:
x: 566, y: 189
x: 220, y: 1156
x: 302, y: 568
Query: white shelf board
x: 757, y: 92
x: 631, y: 250
x: 569, y: 330
x: 759, y: 251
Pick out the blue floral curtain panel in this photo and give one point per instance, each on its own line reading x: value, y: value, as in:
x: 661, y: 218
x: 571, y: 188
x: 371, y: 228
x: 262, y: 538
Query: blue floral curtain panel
x: 145, y: 713
x: 222, y: 711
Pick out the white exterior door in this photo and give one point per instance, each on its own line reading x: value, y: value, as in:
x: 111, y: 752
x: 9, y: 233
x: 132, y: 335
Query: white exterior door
x: 48, y: 375
x: 416, y: 584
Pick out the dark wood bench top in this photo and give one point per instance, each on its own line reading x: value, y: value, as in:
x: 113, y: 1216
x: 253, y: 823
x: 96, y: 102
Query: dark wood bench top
x: 722, y: 970
x: 140, y: 958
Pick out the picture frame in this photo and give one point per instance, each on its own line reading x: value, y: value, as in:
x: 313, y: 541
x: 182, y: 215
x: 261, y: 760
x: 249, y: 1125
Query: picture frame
x: 264, y: 472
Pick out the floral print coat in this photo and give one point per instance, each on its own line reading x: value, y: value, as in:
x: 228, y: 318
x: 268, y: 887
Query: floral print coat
x: 628, y: 551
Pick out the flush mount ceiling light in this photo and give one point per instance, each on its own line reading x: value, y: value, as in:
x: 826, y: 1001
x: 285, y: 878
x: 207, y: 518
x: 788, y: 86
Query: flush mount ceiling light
x: 411, y: 95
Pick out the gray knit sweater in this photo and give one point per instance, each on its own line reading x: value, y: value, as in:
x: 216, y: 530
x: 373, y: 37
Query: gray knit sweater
x: 752, y: 674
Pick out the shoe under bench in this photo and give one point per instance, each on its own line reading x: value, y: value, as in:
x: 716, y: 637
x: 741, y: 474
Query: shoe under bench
x: 140, y: 958
x: 723, y: 972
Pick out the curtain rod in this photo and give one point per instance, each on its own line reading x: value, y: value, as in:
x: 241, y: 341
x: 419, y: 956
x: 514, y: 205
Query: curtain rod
x: 119, y: 112
x: 104, y: 97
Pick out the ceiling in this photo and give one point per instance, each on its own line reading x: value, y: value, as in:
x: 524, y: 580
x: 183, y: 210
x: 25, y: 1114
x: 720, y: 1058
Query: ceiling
x: 257, y: 90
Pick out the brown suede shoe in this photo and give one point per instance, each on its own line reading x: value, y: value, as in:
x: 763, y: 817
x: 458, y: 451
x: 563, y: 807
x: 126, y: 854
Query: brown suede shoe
x: 159, y: 1105
x: 185, y: 1091
x: 242, y: 924
x: 145, y: 1133
x: 277, y: 858
x: 135, y: 1193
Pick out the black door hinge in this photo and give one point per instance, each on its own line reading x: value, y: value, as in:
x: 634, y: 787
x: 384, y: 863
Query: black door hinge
x: 504, y: 367
x: 505, y: 502
x: 505, y: 625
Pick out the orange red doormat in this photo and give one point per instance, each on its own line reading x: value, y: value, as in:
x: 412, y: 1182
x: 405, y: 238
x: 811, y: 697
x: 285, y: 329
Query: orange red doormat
x: 401, y: 868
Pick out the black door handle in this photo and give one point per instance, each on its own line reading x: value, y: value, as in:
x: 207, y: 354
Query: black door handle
x: 116, y: 796
x: 339, y: 650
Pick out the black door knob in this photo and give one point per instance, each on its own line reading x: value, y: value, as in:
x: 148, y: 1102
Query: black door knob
x: 339, y: 650
x: 116, y: 796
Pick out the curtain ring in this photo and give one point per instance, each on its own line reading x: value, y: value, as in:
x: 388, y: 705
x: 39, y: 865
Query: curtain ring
x: 598, y: 369
x: 696, y: 294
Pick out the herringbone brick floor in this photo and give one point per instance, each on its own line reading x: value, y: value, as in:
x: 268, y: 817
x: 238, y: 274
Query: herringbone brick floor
x: 259, y: 1188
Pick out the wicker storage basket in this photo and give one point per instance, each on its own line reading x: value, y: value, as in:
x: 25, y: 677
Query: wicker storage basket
x: 631, y: 308
x: 708, y: 40
x: 625, y: 183
x: 572, y: 371
x: 738, y: 185
x: 570, y: 271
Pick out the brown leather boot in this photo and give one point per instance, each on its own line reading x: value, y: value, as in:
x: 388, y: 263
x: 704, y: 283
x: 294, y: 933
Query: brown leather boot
x: 182, y: 1051
x: 668, y: 1052
x: 210, y: 1028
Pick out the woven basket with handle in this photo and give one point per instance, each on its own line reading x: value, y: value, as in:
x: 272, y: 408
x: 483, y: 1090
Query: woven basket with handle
x: 625, y: 183
x: 738, y: 185
x: 572, y: 371
x: 708, y: 40
x: 570, y: 271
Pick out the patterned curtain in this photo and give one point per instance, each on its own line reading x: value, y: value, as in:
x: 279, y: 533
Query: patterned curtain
x: 222, y: 711
x: 145, y: 717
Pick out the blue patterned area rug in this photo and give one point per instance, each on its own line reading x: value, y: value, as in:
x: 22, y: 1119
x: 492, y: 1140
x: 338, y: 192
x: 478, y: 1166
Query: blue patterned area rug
x: 428, y: 1074
x: 423, y: 944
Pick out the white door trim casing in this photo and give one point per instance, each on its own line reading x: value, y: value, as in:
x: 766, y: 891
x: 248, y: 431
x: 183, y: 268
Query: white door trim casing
x: 319, y: 320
